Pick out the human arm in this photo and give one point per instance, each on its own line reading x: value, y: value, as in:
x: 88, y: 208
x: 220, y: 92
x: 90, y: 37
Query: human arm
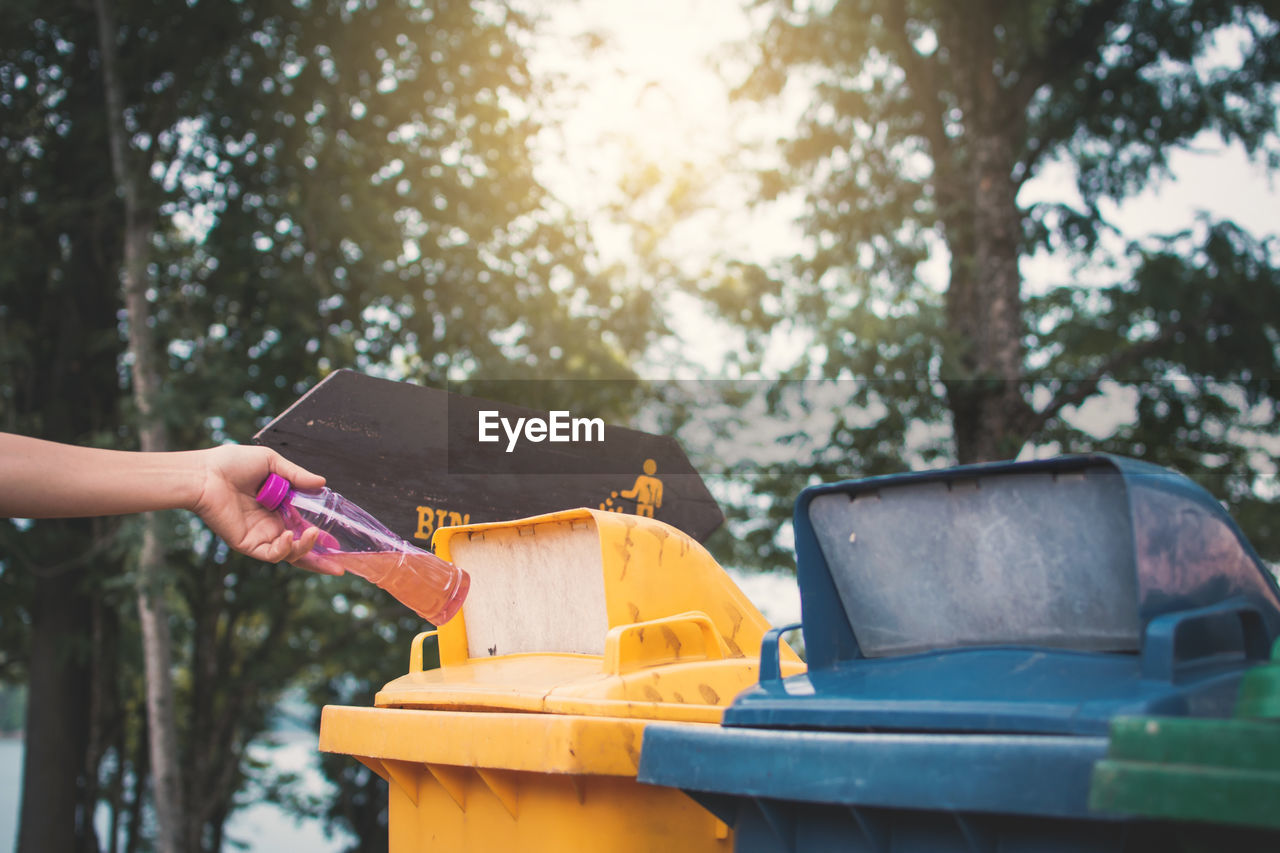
x: 45, y: 479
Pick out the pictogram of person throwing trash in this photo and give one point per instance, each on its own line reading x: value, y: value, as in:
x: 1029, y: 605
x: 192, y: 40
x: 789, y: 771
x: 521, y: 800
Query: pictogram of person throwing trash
x: 647, y: 492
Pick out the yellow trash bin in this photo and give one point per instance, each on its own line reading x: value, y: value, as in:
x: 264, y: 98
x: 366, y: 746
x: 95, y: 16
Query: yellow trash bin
x: 580, y: 628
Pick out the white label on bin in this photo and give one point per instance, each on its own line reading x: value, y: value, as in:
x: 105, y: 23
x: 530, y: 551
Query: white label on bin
x: 538, y: 588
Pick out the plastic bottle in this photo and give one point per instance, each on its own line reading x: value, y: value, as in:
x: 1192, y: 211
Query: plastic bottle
x: 353, y: 541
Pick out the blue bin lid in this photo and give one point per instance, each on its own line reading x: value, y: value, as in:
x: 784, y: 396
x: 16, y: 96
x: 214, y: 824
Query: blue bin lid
x: 1044, y: 596
x: 1041, y: 775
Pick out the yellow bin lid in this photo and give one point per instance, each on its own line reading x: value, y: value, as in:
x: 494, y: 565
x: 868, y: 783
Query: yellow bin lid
x: 589, y: 613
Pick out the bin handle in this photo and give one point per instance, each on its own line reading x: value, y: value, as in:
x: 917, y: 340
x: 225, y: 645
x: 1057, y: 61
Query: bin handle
x: 415, y: 651
x: 626, y: 648
x: 770, y: 658
x: 1160, y: 653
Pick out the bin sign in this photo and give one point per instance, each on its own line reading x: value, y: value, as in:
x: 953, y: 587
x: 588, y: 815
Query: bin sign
x: 421, y: 458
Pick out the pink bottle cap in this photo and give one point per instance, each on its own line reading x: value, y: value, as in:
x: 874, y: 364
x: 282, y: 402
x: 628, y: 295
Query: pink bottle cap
x: 273, y: 491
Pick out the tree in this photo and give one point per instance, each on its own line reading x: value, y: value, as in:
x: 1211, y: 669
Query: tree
x: 326, y: 185
x: 136, y: 279
x: 58, y: 353
x: 927, y: 121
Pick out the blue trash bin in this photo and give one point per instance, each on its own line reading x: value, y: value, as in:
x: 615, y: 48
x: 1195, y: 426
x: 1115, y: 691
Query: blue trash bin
x: 970, y: 634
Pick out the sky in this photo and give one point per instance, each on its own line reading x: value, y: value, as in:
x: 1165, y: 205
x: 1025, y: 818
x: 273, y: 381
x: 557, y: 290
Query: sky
x: 655, y: 89
x: 653, y: 94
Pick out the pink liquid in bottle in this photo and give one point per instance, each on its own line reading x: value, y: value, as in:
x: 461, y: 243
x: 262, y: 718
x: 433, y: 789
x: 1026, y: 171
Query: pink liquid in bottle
x: 351, y: 540
x: 431, y: 587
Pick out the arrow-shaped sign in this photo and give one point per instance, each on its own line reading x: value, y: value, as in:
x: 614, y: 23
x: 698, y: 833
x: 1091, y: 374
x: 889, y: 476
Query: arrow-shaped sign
x: 421, y: 458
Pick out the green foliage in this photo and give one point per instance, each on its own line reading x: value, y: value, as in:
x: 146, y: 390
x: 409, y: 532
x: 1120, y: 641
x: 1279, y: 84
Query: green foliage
x: 1198, y: 326
x: 926, y: 120
x: 59, y: 347
x: 333, y: 184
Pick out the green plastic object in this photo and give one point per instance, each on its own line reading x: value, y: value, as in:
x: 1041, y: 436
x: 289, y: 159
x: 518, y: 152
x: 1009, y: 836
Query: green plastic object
x: 1260, y: 690
x: 1220, y: 771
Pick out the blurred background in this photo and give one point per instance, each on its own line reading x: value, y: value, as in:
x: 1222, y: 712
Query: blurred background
x: 813, y: 240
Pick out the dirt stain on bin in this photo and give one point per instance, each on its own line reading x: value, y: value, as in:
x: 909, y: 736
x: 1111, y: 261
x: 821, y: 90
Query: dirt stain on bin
x: 673, y: 642
x: 630, y: 746
x: 624, y: 550
x: 735, y: 619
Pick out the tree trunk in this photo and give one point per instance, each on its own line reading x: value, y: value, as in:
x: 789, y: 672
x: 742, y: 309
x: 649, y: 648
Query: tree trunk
x: 68, y: 395
x: 57, y: 715
x: 152, y: 613
x: 984, y: 300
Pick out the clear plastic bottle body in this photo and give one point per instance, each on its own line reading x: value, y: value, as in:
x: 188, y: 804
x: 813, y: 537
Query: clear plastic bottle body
x: 353, y: 541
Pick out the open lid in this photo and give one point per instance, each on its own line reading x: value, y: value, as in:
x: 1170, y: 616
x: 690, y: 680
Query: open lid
x: 1087, y: 574
x: 588, y: 612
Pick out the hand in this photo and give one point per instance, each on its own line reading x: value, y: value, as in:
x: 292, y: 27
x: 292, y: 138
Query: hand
x: 226, y: 501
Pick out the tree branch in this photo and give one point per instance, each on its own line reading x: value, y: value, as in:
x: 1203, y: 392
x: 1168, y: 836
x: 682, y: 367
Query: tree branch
x: 1061, y: 59
x: 1075, y: 393
x: 1065, y: 54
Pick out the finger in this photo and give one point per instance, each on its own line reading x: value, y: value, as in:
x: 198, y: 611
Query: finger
x: 278, y: 549
x: 298, y: 476
x: 304, y: 543
x: 303, y: 546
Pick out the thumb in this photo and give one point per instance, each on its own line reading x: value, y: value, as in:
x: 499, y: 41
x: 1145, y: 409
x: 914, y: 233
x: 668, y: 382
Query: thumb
x: 298, y: 477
